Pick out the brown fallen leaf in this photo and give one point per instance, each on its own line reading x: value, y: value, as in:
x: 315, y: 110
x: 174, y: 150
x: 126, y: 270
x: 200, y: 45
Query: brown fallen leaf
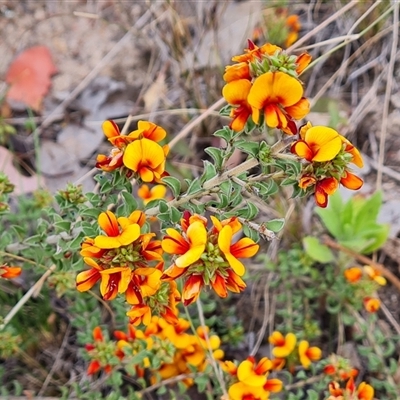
x: 29, y: 76
x: 23, y: 184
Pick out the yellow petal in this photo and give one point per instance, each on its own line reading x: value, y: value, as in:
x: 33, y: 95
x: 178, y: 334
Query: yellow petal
x: 129, y: 235
x: 246, y: 374
x: 236, y: 92
x: 106, y: 242
x: 275, y: 88
x: 302, y: 150
x: 110, y: 129
x: 324, y: 142
x: 108, y: 222
x: 143, y: 152
x: 197, y: 236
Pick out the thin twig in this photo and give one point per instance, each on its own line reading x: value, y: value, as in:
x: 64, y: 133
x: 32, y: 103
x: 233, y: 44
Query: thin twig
x: 33, y: 291
x: 365, y: 260
x: 188, y: 128
x: 165, y: 382
x: 140, y: 23
x: 389, y: 84
x: 217, y: 370
x: 261, y: 333
x: 56, y: 361
x: 322, y: 25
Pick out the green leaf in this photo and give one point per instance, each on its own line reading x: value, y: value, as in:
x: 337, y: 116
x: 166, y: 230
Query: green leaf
x: 312, y: 395
x: 64, y: 226
x: 225, y: 133
x: 366, y: 210
x: 174, y: 184
x: 194, y: 187
x: 76, y: 243
x: 175, y: 214
x: 165, y: 217
x: 317, y: 251
x: 90, y: 212
x: 130, y: 203
x: 209, y: 171
x: 163, y: 206
x: 275, y: 225
x: 379, y: 236
x: 105, y: 187
x: 251, y: 148
x: 223, y: 201
x: 330, y: 215
x: 217, y: 155
x: 251, y: 233
x: 249, y: 212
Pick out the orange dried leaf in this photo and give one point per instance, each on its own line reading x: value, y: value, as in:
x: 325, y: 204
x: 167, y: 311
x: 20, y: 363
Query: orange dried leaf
x: 29, y: 76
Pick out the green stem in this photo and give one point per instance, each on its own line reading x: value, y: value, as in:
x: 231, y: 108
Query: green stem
x: 217, y: 370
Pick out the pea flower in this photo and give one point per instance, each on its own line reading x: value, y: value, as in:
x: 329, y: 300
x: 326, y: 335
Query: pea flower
x: 139, y: 151
x: 146, y: 158
x: 236, y: 93
x: 101, y: 352
x: 279, y: 97
x: 254, y: 374
x: 9, y: 272
x: 283, y: 345
x: 328, y: 154
x: 371, y: 304
x: 308, y: 354
x: 147, y: 194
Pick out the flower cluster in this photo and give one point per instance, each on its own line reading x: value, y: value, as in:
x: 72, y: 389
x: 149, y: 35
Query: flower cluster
x: 342, y: 386
x: 170, y: 350
x: 250, y: 380
x: 139, y: 152
x: 366, y: 281
x: 207, y: 256
x: 129, y: 262
x: 264, y: 84
x: 101, y: 353
x: 327, y: 155
x: 350, y: 391
x: 290, y: 353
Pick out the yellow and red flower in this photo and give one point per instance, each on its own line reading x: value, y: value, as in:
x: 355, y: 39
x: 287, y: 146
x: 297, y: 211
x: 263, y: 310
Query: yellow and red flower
x: 283, y: 345
x: 138, y: 151
x: 308, y: 354
x: 279, y: 97
x: 350, y: 391
x: 100, y: 353
x: 294, y: 26
x: 163, y: 303
x: 241, y: 391
x: 254, y: 52
x: 7, y: 272
x: 328, y: 154
x: 374, y: 275
x: 147, y: 194
x: 254, y: 374
x: 372, y: 304
x: 146, y: 158
x: 207, y: 257
x: 119, y: 232
x: 124, y: 260
x: 353, y: 274
x: 235, y: 93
